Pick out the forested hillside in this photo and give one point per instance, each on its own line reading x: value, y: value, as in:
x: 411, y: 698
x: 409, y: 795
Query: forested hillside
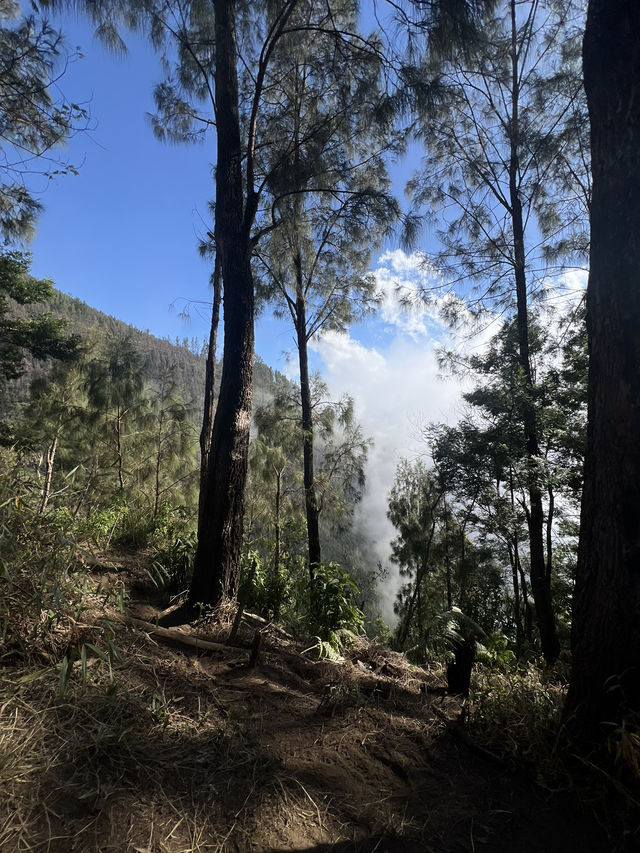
x: 186, y: 356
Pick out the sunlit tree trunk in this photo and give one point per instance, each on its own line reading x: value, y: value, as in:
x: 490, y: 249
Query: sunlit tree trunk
x: 48, y: 473
x: 209, y: 385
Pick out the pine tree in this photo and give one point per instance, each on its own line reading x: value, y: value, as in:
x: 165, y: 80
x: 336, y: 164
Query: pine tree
x: 57, y: 405
x: 115, y: 387
x: 170, y: 462
x: 33, y: 123
x: 498, y: 122
x: 334, y: 208
x: 42, y: 337
x: 482, y: 460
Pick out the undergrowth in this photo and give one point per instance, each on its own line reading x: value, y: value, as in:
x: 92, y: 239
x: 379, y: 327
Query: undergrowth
x: 516, y: 715
x: 51, y: 613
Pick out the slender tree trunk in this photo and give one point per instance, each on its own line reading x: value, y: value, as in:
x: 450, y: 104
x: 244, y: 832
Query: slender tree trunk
x: 420, y: 573
x: 48, y: 473
x: 310, y: 499
x: 209, y: 384
x: 217, y: 562
x: 118, y: 429
x: 463, y: 568
x: 447, y: 558
x: 538, y: 570
x: 517, y: 614
x: 85, y: 491
x: 156, y: 492
x: 605, y: 678
x: 550, y: 514
x: 276, y: 550
x: 515, y: 563
x: 526, y: 606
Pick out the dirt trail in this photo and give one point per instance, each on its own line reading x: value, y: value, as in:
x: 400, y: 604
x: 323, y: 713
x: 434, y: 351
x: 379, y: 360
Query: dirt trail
x: 197, y: 751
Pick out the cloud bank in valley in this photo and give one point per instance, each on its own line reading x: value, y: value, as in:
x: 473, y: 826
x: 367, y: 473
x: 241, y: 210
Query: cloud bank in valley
x: 390, y: 369
x: 389, y: 365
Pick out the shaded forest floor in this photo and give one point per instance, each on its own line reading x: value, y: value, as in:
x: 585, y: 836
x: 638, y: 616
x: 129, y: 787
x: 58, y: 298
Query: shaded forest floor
x: 191, y: 750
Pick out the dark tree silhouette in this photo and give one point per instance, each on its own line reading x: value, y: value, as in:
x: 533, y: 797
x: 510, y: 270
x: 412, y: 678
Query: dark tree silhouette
x: 605, y: 680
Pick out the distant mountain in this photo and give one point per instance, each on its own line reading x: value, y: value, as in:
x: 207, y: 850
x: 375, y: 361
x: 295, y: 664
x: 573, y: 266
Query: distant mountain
x: 93, y: 326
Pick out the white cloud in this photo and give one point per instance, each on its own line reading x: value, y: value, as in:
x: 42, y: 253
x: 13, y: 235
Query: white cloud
x: 396, y: 383
x: 400, y: 276
x: 396, y: 390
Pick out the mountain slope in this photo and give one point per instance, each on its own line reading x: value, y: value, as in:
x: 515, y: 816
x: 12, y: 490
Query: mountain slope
x: 95, y: 326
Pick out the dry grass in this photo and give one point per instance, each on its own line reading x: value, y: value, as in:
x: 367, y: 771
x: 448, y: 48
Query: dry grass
x: 129, y: 770
x: 517, y: 716
x: 180, y: 752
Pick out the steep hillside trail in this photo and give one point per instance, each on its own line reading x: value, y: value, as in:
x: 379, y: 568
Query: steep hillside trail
x: 193, y: 749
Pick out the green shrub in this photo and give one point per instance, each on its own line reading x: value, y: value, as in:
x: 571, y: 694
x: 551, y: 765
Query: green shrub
x: 383, y: 633
x: 135, y: 527
x: 517, y: 715
x: 172, y: 566
x: 100, y: 526
x: 495, y: 653
x: 266, y: 593
x: 44, y: 596
x: 329, y: 610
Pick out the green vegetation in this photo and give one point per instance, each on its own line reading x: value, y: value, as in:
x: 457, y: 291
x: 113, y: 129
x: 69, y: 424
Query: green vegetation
x: 507, y: 564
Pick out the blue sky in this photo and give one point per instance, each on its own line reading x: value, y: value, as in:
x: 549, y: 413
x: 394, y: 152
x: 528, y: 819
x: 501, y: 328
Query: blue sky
x: 123, y: 235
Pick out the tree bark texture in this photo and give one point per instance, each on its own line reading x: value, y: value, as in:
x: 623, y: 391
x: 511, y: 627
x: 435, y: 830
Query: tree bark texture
x: 605, y: 679
x: 206, y: 432
x: 220, y: 527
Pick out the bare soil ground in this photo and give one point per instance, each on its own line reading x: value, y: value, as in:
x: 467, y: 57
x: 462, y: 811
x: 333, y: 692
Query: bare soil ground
x: 194, y: 750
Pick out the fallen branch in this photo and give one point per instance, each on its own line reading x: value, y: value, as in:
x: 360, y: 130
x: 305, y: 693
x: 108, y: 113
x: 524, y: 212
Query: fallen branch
x: 175, y: 636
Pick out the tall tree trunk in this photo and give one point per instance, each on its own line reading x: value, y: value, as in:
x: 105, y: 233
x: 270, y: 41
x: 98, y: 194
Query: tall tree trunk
x: 605, y: 678
x: 550, y: 513
x: 514, y: 557
x: 310, y: 499
x: 447, y: 558
x: 90, y: 478
x: 217, y: 561
x: 156, y: 494
x: 209, y: 385
x: 538, y: 571
x: 526, y: 605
